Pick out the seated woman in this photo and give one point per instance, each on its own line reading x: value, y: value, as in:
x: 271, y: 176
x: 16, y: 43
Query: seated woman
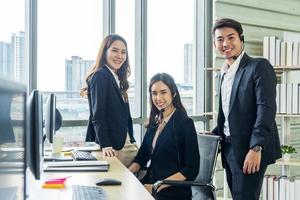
x: 170, y: 142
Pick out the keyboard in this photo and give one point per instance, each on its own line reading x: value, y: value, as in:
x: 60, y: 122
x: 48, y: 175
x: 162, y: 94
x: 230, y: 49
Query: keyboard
x: 12, y: 156
x: 82, y: 155
x: 81, y: 192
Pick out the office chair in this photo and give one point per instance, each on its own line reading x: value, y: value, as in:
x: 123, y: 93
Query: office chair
x: 202, y: 187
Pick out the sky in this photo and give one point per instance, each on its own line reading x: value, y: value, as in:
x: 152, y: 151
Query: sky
x: 74, y: 29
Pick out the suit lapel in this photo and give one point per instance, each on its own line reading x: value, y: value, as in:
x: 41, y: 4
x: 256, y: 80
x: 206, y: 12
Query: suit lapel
x: 115, y: 85
x: 167, y: 132
x: 237, y: 80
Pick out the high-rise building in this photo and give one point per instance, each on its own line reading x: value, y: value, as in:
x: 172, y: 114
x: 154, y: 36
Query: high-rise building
x: 6, y: 69
x: 76, y: 69
x: 18, y: 56
x: 188, y: 63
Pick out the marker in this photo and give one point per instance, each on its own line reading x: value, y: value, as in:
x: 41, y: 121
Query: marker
x: 55, y: 182
x: 54, y: 186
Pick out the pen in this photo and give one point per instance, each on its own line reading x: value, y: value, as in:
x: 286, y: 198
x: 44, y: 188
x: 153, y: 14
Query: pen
x: 59, y: 179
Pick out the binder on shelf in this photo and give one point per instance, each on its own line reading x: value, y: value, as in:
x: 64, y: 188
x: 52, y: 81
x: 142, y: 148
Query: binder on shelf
x: 272, y: 50
x: 276, y: 187
x: 271, y: 186
x: 295, y: 53
x: 277, y: 52
x: 283, y: 54
x: 289, y: 53
x: 298, y: 53
x: 283, y: 94
x: 295, y: 98
x: 298, y: 98
x: 297, y: 188
x: 283, y: 187
x: 266, y: 47
x: 291, y: 189
x: 278, y: 97
x: 265, y: 187
x: 289, y: 98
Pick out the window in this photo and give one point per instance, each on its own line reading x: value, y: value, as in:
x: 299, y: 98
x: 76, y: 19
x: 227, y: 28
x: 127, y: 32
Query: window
x: 170, y: 44
x: 125, y: 26
x: 69, y: 36
x: 12, y: 41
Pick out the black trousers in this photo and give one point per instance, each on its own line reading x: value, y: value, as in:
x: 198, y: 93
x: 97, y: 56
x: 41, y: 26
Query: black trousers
x: 242, y: 186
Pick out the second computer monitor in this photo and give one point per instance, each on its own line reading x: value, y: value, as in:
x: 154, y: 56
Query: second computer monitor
x: 50, y: 117
x: 35, y: 133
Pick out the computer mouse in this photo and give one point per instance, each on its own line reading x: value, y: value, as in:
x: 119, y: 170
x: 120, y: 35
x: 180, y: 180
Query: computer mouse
x: 108, y: 181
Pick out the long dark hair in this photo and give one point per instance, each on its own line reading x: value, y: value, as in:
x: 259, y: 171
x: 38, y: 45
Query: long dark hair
x: 122, y: 73
x: 169, y: 81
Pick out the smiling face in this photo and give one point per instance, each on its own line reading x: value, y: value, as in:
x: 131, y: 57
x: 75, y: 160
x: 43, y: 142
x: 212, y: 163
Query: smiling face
x: 161, y: 96
x: 116, y: 55
x: 228, y: 43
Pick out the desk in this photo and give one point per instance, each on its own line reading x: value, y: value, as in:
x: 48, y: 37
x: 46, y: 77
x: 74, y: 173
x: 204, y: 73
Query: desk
x: 130, y: 189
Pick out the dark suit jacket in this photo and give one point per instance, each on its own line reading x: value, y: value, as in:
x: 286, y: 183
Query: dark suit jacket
x: 171, y: 155
x: 110, y: 117
x: 252, y: 111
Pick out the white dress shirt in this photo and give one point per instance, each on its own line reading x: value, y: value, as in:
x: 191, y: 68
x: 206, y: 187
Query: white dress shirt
x: 228, y: 74
x: 115, y: 76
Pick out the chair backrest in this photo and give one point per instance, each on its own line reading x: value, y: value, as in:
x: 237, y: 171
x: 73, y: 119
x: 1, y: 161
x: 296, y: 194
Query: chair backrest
x: 208, y: 149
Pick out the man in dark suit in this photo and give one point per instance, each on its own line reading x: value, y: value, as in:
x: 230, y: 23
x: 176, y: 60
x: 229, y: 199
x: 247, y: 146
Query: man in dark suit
x: 247, y: 109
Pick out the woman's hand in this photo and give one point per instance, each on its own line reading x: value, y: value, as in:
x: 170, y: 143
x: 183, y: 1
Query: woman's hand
x: 149, y: 187
x: 109, y: 152
x: 134, y: 167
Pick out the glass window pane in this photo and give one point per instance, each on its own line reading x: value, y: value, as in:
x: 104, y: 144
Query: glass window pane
x: 12, y: 41
x: 125, y: 26
x: 69, y: 36
x: 170, y: 44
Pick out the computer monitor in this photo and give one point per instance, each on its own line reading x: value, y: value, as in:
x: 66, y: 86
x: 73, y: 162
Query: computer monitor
x: 50, y: 117
x: 34, y: 135
x: 12, y: 140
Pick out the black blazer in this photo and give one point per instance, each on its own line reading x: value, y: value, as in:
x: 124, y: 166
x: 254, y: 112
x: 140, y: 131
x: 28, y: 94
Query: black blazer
x: 252, y: 111
x: 173, y: 152
x: 110, y: 117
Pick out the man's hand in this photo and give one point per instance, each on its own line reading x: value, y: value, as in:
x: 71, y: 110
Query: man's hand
x: 252, y: 162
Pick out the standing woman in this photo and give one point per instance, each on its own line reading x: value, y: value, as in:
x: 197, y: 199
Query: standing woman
x: 110, y: 122
x: 170, y: 142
